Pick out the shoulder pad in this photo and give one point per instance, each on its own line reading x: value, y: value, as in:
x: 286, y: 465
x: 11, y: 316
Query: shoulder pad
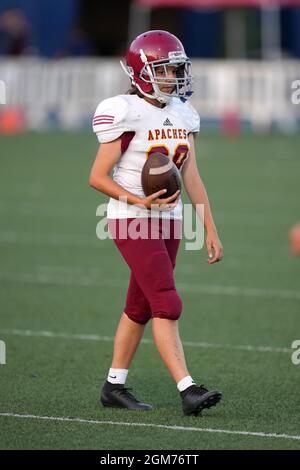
x: 189, y: 115
x: 109, y: 120
x: 193, y: 119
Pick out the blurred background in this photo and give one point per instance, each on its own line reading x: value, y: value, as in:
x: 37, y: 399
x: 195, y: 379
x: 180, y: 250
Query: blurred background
x: 59, y: 58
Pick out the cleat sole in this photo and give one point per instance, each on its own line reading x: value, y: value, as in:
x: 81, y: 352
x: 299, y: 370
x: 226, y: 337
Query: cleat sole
x: 109, y: 405
x: 209, y: 402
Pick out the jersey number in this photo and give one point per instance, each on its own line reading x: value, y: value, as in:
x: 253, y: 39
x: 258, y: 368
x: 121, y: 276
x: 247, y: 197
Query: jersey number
x: 179, y: 156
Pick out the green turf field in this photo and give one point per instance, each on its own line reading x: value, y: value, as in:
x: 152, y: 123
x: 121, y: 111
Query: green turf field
x: 62, y: 292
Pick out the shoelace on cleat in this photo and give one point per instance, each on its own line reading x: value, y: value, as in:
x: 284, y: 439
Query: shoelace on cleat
x: 203, y: 389
x: 195, y: 389
x: 124, y: 391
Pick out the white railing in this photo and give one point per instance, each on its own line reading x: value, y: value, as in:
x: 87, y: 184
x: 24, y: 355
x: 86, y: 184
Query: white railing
x: 66, y: 92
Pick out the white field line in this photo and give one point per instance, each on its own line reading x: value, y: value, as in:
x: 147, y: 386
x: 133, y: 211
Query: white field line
x: 48, y: 209
x: 73, y: 239
x: 239, y: 291
x: 85, y: 280
x: 55, y: 239
x: 92, y: 337
x: 45, y: 209
x: 151, y: 425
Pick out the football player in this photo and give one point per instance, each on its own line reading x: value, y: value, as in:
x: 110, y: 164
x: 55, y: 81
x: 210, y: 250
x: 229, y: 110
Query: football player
x: 154, y: 116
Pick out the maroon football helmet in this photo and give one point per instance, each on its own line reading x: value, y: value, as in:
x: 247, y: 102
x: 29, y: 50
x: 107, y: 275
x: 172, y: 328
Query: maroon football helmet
x: 154, y: 49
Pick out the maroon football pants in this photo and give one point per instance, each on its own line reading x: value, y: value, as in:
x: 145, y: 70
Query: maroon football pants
x: 151, y: 291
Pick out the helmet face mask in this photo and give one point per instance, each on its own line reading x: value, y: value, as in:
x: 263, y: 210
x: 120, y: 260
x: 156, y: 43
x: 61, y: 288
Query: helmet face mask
x: 148, y: 61
x: 182, y: 82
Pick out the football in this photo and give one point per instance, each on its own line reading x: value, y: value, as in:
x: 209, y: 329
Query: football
x: 159, y: 172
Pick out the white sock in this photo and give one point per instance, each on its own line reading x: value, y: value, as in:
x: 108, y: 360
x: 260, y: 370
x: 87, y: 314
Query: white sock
x: 184, y: 383
x: 117, y: 376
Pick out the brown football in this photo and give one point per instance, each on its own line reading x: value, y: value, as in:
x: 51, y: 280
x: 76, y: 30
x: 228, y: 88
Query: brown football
x: 159, y: 172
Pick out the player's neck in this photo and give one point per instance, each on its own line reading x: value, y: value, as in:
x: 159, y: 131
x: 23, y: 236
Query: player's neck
x: 154, y: 102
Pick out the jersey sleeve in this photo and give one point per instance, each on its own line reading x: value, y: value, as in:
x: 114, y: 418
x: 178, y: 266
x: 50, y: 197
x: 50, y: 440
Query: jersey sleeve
x: 109, y: 120
x: 193, y: 119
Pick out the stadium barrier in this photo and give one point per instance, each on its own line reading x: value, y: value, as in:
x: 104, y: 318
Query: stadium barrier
x: 64, y: 93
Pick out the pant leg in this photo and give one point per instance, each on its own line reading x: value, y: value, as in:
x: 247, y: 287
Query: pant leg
x: 172, y: 242
x: 150, y: 262
x: 137, y: 307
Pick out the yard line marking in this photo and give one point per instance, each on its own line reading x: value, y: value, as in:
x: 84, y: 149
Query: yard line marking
x: 242, y: 291
x: 56, y: 239
x: 30, y: 238
x: 88, y: 281
x: 46, y: 208
x: 92, y: 337
x: 37, y: 204
x: 152, y: 425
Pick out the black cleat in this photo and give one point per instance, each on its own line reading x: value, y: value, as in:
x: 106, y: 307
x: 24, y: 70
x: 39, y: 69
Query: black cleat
x: 195, y: 398
x: 117, y: 396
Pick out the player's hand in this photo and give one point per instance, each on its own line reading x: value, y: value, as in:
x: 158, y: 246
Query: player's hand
x: 214, y: 247
x: 162, y: 204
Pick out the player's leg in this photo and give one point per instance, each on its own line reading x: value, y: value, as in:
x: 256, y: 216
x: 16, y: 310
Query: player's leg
x: 165, y: 332
x: 114, y: 393
x: 152, y: 261
x: 127, y: 338
x: 131, y: 327
x: 194, y: 398
x: 168, y: 342
x: 166, y: 338
x: 152, y: 267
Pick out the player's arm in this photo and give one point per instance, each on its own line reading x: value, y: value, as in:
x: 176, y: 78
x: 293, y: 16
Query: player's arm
x: 107, y: 156
x: 197, y: 194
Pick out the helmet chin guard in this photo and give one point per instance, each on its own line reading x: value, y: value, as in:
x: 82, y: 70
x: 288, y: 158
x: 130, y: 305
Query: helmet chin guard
x: 153, y: 50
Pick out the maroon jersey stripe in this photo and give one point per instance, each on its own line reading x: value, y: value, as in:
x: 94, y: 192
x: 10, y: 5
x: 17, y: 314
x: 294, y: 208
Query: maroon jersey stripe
x: 102, y: 122
x: 104, y: 116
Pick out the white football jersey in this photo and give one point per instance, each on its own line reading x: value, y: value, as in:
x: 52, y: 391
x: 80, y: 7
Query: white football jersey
x: 144, y: 129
